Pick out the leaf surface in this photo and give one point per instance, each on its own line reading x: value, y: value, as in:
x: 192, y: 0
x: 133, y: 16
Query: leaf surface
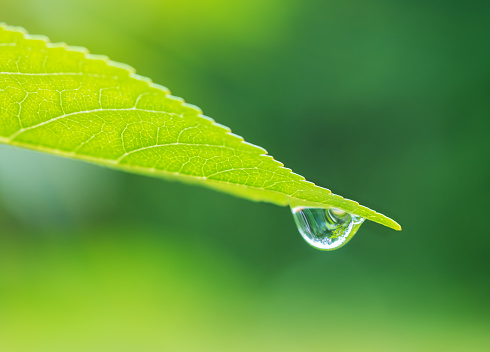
x: 64, y: 101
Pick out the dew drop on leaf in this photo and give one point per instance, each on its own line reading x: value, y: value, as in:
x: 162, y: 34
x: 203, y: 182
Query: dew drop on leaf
x: 326, y: 228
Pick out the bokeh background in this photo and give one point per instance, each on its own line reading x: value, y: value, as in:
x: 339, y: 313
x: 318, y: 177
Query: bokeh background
x: 385, y: 102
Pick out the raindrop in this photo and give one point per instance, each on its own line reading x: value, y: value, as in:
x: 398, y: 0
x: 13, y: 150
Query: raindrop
x: 326, y: 228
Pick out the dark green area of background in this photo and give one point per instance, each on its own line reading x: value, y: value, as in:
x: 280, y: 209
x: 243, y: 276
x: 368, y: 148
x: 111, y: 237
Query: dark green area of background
x: 384, y: 102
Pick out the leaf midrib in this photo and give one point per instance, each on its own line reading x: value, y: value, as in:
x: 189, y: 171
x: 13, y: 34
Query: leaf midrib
x: 75, y: 113
x: 113, y: 162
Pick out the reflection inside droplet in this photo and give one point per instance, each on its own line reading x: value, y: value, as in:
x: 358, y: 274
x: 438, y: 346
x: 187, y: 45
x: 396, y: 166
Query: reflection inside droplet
x: 326, y: 229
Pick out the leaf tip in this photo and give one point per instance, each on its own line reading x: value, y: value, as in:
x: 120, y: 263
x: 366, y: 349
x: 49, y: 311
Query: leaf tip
x: 390, y: 223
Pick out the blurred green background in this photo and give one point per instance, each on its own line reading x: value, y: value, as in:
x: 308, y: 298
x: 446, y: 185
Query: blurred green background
x: 385, y: 102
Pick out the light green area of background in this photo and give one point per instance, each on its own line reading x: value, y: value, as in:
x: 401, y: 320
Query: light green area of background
x: 385, y: 102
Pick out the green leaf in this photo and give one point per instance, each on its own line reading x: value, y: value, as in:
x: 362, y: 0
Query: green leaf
x: 64, y: 101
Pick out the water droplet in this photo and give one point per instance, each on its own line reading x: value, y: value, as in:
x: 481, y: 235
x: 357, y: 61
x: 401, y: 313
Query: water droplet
x: 326, y: 229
